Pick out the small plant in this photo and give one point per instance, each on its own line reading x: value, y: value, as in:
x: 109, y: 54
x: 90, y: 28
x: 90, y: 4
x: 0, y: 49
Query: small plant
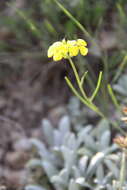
x: 72, y: 160
x: 66, y: 50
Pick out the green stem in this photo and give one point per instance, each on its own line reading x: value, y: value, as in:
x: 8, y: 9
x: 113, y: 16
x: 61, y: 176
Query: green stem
x: 85, y: 100
x: 77, y: 78
x: 32, y: 26
x: 113, y: 97
x: 123, y: 170
x: 105, y: 82
x: 88, y: 104
x: 79, y: 25
x: 81, y: 87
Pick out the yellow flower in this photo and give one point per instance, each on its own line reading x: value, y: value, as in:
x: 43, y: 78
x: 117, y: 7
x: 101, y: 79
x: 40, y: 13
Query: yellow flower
x: 83, y: 50
x: 57, y: 57
x: 81, y: 42
x: 58, y: 51
x: 73, y: 49
x: 65, y: 49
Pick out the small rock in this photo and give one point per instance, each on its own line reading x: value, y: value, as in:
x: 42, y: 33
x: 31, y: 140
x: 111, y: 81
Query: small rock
x: 15, y: 179
x: 16, y: 160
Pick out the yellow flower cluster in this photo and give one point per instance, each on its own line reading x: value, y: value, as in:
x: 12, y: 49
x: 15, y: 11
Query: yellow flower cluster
x: 65, y: 49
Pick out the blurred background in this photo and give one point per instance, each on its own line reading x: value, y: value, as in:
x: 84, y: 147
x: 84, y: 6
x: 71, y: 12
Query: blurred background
x: 32, y: 87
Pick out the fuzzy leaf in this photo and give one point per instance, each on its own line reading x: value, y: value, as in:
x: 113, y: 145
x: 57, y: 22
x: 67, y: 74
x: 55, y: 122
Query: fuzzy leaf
x: 74, y: 106
x: 85, y: 151
x: 90, y: 143
x: 105, y: 140
x: 100, y: 174
x: 75, y: 172
x: 96, y: 160
x: 64, y: 125
x: 111, y: 149
x: 58, y: 180
x: 100, y: 129
x: 48, y: 132
x: 41, y: 149
x: 34, y: 187
x: 57, y: 138
x: 64, y: 174
x: 64, y: 129
x: 81, y: 181
x: 33, y: 163
x: 62, y: 178
x: 73, y: 185
x: 82, y: 134
x: 108, y: 178
x: 112, y: 167
x: 49, y: 169
x: 69, y: 157
x: 109, y: 187
x: 70, y: 141
x: 83, y: 162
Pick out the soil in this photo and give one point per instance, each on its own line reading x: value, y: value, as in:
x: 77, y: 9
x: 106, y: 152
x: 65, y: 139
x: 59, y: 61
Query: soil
x: 24, y: 101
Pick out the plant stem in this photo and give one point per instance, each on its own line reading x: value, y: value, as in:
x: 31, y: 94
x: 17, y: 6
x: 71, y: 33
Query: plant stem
x: 77, y: 77
x: 84, y: 98
x: 88, y: 104
x: 123, y: 170
x: 79, y: 25
x: 113, y: 97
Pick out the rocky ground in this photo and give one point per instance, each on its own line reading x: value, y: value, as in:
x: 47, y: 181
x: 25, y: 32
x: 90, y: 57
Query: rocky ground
x: 24, y: 101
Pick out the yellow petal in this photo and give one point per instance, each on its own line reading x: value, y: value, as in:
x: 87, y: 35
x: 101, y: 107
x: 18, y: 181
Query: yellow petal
x: 59, y: 50
x: 81, y: 42
x: 73, y: 51
x: 64, y: 50
x: 57, y: 44
x: 83, y: 50
x: 71, y: 43
x: 50, y: 51
x: 57, y: 57
x: 64, y: 41
x: 53, y: 48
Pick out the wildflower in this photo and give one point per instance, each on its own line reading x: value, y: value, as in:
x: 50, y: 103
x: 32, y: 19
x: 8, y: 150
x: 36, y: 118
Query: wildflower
x: 58, y: 51
x: 73, y: 49
x: 65, y: 49
x: 121, y: 141
x: 81, y: 45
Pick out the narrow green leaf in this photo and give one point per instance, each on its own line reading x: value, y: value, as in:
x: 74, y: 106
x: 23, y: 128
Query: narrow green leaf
x: 113, y: 97
x: 83, y: 78
x: 79, y: 25
x: 88, y: 104
x: 75, y: 91
x: 97, y: 87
